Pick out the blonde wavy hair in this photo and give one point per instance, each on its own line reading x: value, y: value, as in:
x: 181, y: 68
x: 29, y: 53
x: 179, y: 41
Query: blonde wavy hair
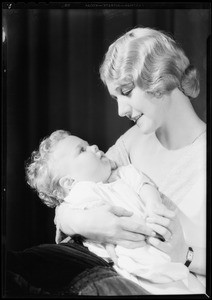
x: 40, y: 175
x: 152, y: 60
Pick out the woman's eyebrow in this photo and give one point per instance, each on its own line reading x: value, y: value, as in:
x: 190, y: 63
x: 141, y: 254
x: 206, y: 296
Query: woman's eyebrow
x: 127, y: 85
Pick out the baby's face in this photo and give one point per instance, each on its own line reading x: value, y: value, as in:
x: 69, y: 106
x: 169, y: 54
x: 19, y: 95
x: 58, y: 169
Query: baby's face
x: 75, y: 157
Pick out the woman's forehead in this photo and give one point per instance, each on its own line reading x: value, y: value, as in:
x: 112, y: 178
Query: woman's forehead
x: 112, y: 87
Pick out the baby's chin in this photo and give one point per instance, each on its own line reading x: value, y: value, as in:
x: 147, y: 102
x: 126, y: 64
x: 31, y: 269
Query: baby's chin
x: 108, y: 171
x: 113, y: 165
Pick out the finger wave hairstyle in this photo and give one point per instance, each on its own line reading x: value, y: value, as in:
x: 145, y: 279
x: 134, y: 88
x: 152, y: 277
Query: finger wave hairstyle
x: 39, y: 174
x: 152, y: 60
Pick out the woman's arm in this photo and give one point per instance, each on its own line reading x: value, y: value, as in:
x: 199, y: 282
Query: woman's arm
x: 105, y: 224
x: 198, y: 264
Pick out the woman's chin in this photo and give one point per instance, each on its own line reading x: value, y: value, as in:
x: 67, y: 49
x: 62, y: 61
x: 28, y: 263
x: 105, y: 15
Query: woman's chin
x: 145, y: 125
x: 145, y: 129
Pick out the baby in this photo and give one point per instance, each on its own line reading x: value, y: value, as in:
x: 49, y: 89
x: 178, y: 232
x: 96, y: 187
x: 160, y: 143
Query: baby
x: 66, y: 171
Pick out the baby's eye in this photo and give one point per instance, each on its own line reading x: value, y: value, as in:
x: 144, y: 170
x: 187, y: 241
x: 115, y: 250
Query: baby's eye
x: 82, y: 149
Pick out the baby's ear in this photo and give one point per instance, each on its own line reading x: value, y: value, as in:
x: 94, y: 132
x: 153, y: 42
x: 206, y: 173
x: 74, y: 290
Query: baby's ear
x: 66, y: 182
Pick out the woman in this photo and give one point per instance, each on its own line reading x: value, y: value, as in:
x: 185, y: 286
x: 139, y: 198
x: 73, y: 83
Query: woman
x: 152, y: 80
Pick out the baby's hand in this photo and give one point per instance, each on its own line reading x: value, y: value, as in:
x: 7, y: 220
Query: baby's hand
x: 113, y: 165
x: 154, y: 206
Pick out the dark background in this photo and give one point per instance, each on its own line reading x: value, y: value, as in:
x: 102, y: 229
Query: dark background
x: 51, y: 81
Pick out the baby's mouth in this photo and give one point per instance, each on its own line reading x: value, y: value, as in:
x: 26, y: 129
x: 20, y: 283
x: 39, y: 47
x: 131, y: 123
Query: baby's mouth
x: 100, y: 154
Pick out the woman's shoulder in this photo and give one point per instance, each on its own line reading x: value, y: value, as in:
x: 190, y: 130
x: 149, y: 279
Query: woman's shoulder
x: 131, y: 135
x: 131, y: 132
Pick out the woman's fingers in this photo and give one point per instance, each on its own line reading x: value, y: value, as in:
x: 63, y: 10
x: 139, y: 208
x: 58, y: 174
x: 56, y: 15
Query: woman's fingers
x: 161, y: 225
x: 131, y: 244
x: 128, y: 224
x: 120, y: 211
x: 176, y: 246
x: 116, y: 225
x: 130, y: 236
x: 112, y: 253
x: 165, y: 212
x: 159, y: 220
x: 165, y: 247
x: 138, y: 227
x: 161, y: 230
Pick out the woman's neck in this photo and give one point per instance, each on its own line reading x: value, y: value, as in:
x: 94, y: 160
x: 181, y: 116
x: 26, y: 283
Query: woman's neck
x: 182, y: 126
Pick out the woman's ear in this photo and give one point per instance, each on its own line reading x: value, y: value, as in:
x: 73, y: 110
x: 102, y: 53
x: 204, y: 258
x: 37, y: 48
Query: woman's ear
x: 66, y: 182
x: 158, y: 95
x: 155, y: 95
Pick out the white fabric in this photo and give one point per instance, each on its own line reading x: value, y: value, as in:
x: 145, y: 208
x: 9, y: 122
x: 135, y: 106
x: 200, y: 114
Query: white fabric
x: 181, y: 176
x: 146, y: 262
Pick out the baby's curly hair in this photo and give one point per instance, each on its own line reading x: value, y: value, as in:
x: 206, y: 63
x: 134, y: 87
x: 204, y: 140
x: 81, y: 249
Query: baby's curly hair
x: 39, y: 174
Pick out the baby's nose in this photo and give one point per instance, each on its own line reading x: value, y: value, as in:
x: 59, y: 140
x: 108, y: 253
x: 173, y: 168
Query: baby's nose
x: 94, y: 148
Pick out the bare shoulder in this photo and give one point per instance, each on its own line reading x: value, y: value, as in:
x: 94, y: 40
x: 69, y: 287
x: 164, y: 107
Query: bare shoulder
x: 131, y: 136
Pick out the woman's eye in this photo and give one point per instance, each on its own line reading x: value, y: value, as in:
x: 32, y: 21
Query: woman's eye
x: 126, y: 92
x: 114, y: 97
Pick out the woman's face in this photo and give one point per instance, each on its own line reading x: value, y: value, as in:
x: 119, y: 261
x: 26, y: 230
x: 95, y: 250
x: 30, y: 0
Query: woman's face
x: 143, y: 108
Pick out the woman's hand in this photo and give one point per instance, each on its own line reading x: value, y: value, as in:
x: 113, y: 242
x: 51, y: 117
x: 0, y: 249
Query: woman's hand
x: 159, y: 219
x: 110, y: 248
x: 116, y: 225
x: 171, y: 229
x: 106, y: 224
x: 165, y: 222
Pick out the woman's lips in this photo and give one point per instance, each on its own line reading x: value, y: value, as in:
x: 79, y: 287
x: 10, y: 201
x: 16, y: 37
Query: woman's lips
x: 139, y: 120
x: 136, y: 120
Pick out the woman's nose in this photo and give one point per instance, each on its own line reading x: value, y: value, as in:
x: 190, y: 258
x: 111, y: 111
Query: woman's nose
x: 123, y: 109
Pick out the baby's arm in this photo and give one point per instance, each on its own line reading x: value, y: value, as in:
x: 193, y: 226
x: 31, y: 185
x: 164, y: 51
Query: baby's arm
x: 153, y: 203
x: 151, y: 198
